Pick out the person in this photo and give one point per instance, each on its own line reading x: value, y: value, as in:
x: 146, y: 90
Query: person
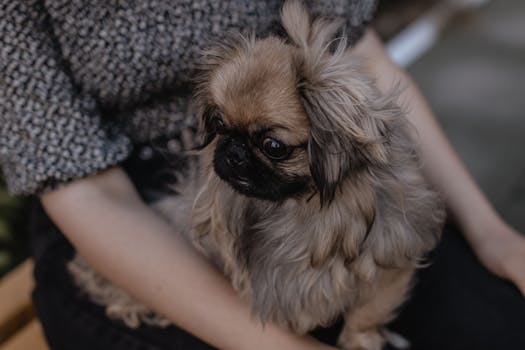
x: 94, y: 103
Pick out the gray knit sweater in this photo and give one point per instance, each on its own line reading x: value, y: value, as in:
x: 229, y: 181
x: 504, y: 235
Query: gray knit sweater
x: 82, y: 81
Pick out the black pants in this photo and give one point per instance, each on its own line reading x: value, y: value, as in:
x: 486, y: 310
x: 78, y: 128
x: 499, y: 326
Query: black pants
x: 455, y: 305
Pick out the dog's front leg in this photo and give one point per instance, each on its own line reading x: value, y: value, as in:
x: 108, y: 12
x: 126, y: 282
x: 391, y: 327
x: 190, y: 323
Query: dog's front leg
x: 363, y: 323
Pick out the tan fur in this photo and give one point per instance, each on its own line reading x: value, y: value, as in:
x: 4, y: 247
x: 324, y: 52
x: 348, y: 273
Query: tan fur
x: 352, y: 241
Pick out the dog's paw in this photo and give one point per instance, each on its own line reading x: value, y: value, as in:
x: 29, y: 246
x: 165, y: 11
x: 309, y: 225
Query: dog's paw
x: 396, y: 340
x: 370, y: 339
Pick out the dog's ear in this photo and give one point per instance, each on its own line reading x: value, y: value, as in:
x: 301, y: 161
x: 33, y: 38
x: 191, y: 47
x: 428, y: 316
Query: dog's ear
x: 207, y: 129
x: 212, y: 59
x: 348, y: 117
x: 345, y: 135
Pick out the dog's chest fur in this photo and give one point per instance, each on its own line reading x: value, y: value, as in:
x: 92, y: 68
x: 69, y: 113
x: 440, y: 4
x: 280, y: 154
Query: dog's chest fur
x: 298, y: 265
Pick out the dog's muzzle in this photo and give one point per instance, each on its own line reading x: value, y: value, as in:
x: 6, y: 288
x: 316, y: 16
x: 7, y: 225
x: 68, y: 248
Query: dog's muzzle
x: 236, y: 153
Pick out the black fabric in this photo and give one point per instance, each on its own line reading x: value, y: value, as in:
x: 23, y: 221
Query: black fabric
x: 151, y: 167
x: 458, y: 305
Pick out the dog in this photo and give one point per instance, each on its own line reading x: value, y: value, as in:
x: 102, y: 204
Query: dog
x: 313, y: 202
x: 310, y: 197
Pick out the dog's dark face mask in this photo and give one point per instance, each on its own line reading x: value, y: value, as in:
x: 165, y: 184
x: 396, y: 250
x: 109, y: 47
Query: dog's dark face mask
x: 237, y: 160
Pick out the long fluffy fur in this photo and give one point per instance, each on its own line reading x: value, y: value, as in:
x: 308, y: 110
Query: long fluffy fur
x: 353, y: 246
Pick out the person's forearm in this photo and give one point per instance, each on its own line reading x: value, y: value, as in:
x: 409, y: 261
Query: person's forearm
x: 128, y: 243
x: 441, y: 165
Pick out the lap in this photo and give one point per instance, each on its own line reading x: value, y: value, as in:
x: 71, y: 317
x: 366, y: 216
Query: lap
x: 457, y: 304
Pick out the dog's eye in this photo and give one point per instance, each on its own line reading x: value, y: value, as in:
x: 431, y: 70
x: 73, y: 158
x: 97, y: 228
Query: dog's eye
x: 274, y: 149
x: 217, y: 124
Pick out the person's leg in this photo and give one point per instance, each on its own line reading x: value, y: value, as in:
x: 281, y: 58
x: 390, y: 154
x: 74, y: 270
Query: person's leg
x: 458, y: 305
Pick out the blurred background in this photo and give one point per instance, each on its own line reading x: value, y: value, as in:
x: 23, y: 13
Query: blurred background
x: 474, y: 78
x: 468, y: 57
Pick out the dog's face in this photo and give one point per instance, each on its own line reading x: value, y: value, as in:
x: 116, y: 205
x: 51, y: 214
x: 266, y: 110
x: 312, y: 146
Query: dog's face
x: 287, y: 121
x: 258, y: 123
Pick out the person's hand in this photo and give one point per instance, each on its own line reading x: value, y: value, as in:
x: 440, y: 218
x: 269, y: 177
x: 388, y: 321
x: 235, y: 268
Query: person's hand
x: 502, y: 251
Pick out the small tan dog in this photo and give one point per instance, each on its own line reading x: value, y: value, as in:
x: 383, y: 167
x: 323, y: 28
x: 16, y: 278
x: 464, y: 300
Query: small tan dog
x: 313, y: 202
x: 311, y: 199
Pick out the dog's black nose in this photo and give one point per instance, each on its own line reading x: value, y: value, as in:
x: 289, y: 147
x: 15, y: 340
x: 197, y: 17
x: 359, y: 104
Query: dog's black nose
x: 237, y: 154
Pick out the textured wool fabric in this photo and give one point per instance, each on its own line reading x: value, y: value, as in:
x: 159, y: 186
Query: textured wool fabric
x: 82, y: 81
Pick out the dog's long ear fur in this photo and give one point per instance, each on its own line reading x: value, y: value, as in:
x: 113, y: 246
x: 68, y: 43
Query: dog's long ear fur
x: 213, y: 58
x: 346, y: 112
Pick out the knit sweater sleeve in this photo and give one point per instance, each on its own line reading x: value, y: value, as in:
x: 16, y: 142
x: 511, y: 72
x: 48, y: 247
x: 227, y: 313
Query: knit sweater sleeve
x: 50, y: 132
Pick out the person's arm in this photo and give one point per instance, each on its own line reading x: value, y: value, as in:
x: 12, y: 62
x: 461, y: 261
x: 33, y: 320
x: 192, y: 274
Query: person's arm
x: 499, y: 247
x: 122, y: 238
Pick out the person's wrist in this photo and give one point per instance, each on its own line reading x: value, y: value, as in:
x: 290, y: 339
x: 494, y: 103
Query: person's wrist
x: 488, y: 227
